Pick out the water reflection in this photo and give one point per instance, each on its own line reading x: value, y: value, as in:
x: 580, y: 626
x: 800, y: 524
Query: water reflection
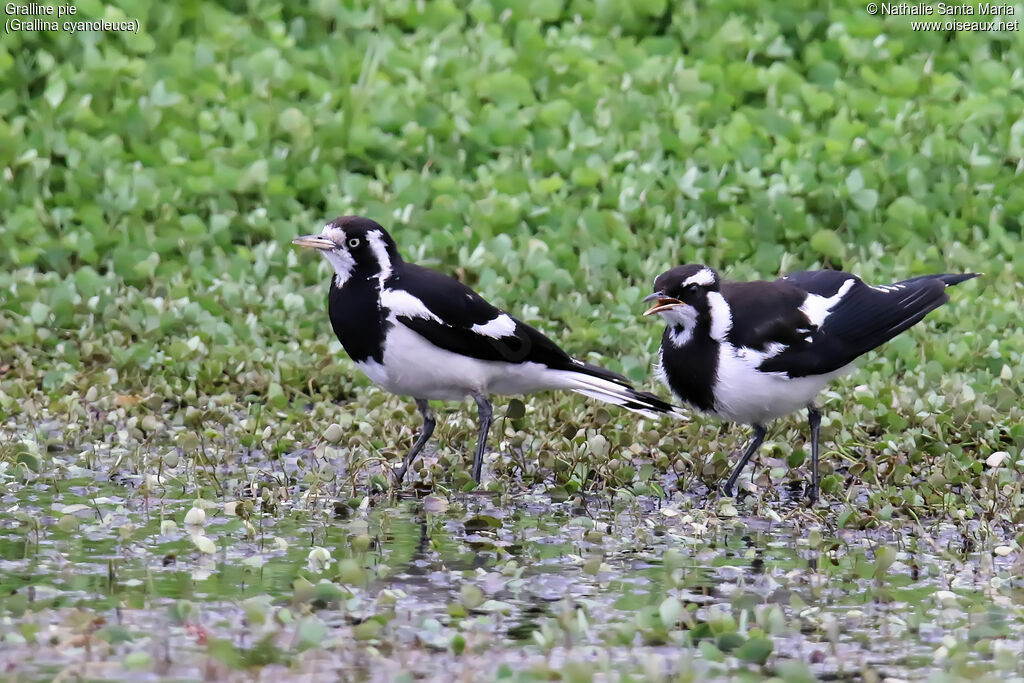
x: 507, y: 572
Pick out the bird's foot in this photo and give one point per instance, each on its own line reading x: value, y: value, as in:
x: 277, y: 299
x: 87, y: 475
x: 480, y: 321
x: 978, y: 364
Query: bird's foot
x: 812, y: 496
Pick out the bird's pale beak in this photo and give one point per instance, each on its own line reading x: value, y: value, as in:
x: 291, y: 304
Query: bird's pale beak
x: 314, y: 242
x: 664, y: 303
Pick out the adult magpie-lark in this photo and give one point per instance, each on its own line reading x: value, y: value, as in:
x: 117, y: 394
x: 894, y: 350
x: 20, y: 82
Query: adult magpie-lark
x: 416, y: 332
x: 750, y: 352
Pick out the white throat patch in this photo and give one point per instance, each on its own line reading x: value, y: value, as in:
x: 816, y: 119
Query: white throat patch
x: 339, y: 258
x: 681, y: 320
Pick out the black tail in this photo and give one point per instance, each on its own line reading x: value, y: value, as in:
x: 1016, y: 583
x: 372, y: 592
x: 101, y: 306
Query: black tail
x: 909, y: 301
x: 956, y: 278
x: 949, y: 279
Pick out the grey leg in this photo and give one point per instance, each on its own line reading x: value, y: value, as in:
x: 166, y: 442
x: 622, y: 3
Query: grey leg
x: 814, y: 419
x: 759, y: 434
x: 484, y: 406
x: 429, y: 422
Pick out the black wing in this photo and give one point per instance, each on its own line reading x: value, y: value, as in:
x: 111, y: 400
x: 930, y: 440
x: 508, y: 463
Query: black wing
x: 765, y: 313
x: 863, y: 318
x: 458, y: 309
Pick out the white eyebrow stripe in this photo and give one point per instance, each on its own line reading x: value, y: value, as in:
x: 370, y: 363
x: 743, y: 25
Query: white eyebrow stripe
x: 336, y: 235
x: 703, y: 277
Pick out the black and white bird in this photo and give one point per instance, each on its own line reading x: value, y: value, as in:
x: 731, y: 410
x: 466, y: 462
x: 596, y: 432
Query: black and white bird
x: 416, y: 332
x: 751, y: 352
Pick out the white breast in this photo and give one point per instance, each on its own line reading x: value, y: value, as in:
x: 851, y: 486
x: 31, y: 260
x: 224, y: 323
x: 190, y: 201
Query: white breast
x: 414, y: 367
x: 743, y: 394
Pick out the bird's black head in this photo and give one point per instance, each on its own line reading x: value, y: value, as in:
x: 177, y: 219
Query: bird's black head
x: 682, y: 292
x: 355, y: 246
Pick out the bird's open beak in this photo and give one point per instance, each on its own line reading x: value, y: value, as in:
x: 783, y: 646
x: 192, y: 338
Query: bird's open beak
x: 313, y: 242
x: 664, y: 303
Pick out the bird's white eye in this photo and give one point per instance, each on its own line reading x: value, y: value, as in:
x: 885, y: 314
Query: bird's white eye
x: 354, y: 242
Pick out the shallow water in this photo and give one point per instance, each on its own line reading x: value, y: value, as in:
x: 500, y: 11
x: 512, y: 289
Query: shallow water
x: 486, y: 587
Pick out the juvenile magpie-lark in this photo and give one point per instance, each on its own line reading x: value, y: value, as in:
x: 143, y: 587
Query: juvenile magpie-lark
x: 416, y: 332
x: 750, y: 352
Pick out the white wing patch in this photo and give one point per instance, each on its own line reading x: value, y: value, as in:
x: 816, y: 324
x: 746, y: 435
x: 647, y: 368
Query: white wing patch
x: 816, y: 307
x: 721, y: 316
x: 502, y: 326
x: 401, y: 302
x: 755, y: 357
x: 703, y: 277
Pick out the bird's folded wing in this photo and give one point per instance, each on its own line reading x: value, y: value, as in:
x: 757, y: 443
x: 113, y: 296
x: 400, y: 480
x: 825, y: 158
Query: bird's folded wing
x: 765, y: 314
x: 455, y: 318
x: 848, y: 318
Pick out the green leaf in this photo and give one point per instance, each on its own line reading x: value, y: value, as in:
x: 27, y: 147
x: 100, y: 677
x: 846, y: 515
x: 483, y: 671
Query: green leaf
x: 793, y: 671
x: 482, y: 522
x: 276, y: 396
x: 709, y: 652
x: 114, y: 634
x: 866, y: 200
x: 39, y: 312
x: 311, y: 632
x: 516, y: 409
x: 368, y: 630
x: 855, y: 181
x: 137, y: 661
x: 827, y: 242
x: 884, y: 557
x: 756, y: 650
x: 670, y: 611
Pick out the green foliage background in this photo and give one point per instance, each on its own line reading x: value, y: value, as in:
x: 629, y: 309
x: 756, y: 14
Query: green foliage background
x: 165, y: 353
x: 555, y: 154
